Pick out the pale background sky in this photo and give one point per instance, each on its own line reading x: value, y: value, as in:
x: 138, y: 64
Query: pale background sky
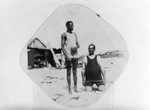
x: 87, y: 25
x: 21, y: 18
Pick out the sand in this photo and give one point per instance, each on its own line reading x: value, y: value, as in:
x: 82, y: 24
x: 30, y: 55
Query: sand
x: 54, y: 83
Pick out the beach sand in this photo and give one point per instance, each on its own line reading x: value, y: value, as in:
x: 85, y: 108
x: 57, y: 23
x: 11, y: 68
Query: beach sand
x: 54, y: 83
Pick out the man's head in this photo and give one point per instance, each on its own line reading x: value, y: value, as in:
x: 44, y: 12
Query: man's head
x: 91, y: 49
x: 69, y: 25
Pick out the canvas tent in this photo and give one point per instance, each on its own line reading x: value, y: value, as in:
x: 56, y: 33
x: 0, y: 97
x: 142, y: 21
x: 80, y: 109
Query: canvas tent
x: 60, y: 56
x: 39, y: 55
x: 58, y: 53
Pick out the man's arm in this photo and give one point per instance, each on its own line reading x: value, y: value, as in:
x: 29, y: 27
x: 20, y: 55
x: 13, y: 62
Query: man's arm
x: 63, y: 46
x: 77, y: 43
x: 102, y: 68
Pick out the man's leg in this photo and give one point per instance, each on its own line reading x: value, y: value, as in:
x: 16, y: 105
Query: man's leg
x: 74, y: 71
x: 68, y: 64
x: 88, y: 88
x: 100, y: 86
x: 69, y: 79
x: 83, y: 78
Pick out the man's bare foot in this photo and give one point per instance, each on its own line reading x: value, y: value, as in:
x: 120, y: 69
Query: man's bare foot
x: 70, y: 92
x: 75, y: 89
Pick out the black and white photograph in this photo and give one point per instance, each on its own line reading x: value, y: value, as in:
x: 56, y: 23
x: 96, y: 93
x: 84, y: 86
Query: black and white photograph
x: 75, y: 56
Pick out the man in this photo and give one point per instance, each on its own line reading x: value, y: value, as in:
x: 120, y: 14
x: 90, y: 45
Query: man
x: 69, y: 45
x: 92, y: 71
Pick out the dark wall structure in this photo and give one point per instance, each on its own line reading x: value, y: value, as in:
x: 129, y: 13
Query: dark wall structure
x: 39, y: 56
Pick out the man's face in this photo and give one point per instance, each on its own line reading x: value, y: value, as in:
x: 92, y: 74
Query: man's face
x: 70, y: 26
x: 91, y: 50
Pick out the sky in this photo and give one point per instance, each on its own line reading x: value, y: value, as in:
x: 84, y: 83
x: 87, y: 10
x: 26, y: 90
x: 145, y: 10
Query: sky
x: 89, y: 28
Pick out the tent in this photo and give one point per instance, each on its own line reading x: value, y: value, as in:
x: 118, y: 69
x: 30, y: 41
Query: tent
x: 60, y: 56
x: 39, y: 55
